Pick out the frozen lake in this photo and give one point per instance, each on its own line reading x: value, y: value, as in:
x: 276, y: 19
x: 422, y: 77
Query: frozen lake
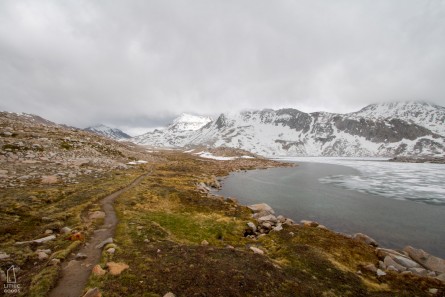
x: 396, y: 203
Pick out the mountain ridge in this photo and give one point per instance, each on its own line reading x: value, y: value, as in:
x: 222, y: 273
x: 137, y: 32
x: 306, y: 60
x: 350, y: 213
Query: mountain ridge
x: 386, y: 129
x: 113, y: 133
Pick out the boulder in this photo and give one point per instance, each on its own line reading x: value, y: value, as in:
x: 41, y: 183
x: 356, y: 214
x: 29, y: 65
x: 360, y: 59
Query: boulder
x: 261, y: 207
x: 96, y: 215
x: 419, y: 271
x: 364, y: 238
x: 256, y: 250
x: 370, y: 267
x: 441, y: 277
x: 307, y: 223
x: 266, y: 225
x: 49, y: 179
x: 252, y: 226
x: 4, y: 256
x: 388, y: 261
x: 111, y: 250
x: 42, y: 256
x: 279, y: 227
x: 405, y: 262
x: 97, y: 270
x: 94, y: 292
x: 382, y: 253
x: 65, y: 230
x: 268, y: 218
x: 116, y: 268
x: 426, y: 260
x: 103, y: 243
x: 380, y: 272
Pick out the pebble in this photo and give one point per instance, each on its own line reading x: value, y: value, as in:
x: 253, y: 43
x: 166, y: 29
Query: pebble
x: 111, y: 250
x: 204, y: 242
x: 380, y: 272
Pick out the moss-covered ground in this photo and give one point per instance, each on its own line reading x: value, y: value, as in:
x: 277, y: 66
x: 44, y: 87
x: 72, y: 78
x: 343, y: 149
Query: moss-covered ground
x: 164, y: 221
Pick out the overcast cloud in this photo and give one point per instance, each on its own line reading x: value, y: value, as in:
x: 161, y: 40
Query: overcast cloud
x: 140, y: 63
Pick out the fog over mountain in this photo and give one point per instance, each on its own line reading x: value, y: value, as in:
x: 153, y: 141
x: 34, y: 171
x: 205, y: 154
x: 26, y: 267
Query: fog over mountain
x: 138, y: 64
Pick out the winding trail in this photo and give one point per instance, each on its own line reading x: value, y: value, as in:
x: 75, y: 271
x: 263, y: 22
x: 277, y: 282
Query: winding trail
x: 75, y: 273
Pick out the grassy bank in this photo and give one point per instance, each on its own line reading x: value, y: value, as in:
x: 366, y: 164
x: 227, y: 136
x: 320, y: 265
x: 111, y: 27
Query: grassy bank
x: 177, y: 239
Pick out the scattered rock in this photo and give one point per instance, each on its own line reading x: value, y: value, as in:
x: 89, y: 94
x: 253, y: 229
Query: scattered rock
x: 371, y: 268
x: 268, y: 218
x: 307, y: 223
x: 388, y: 261
x: 426, y: 260
x: 252, y: 226
x: 55, y: 262
x: 49, y: 179
x: 146, y: 240
x: 380, y: 272
x: 365, y: 239
x: 405, y: 262
x: 261, y: 207
x: 256, y: 250
x: 204, y: 242
x: 94, y: 292
x: 2, y: 275
x: 97, y: 270
x: 279, y: 227
x: 139, y: 227
x: 48, y: 231
x: 65, y: 230
x: 103, y: 243
x: 116, y: 268
x: 169, y: 294
x: 433, y: 291
x: 42, y: 256
x: 419, y: 271
x: 97, y: 215
x: 382, y: 253
x: 4, y: 256
x: 441, y: 277
x: 111, y: 250
x: 81, y: 256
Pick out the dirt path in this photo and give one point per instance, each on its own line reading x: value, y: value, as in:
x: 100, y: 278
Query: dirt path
x: 75, y: 273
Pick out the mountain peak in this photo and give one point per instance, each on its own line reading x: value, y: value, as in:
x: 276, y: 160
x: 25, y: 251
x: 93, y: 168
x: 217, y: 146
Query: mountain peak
x: 109, y: 132
x: 188, y: 122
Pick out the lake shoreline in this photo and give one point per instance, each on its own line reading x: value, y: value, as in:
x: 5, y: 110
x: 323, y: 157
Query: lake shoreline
x: 389, y: 233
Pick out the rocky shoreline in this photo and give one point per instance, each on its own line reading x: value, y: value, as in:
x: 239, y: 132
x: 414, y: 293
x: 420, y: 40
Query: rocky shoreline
x: 407, y: 261
x: 433, y: 160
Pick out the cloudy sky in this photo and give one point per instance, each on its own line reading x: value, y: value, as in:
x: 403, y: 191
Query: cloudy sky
x: 137, y: 64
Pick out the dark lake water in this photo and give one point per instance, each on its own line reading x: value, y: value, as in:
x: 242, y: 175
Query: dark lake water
x: 298, y: 194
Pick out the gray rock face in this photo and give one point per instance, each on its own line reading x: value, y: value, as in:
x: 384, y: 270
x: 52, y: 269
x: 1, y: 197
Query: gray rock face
x: 426, y: 260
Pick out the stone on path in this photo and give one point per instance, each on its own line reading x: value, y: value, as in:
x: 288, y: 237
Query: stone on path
x: 103, y: 243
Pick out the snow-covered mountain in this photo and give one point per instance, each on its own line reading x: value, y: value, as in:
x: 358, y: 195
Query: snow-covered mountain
x: 377, y: 130
x: 109, y: 132
x: 180, y: 130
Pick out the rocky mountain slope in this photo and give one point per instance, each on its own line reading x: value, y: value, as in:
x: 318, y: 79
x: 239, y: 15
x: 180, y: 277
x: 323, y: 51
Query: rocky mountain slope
x: 389, y: 129
x: 34, y: 150
x: 109, y: 132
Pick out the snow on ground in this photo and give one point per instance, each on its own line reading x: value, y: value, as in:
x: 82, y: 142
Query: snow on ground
x: 208, y: 155
x: 420, y: 182
x: 137, y: 162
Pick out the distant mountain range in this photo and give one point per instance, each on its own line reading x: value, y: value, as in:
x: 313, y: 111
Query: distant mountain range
x: 106, y: 131
x: 387, y: 129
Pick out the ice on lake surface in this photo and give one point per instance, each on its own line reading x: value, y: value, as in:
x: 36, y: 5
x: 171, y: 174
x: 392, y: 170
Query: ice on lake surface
x: 420, y: 182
